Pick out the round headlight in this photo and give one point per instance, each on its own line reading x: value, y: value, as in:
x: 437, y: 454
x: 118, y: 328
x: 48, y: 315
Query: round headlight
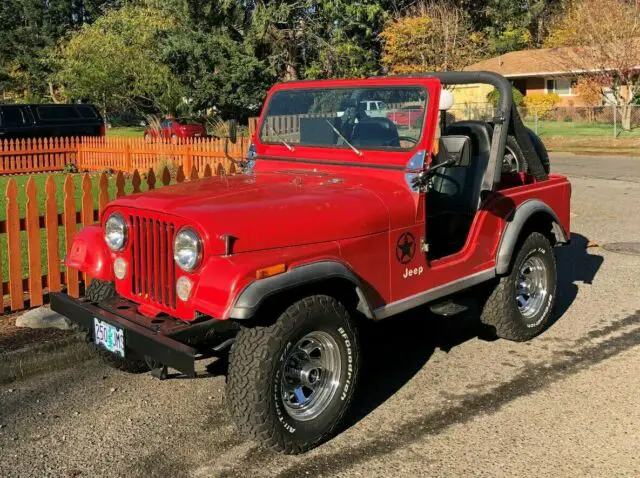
x: 115, y: 232
x: 187, y: 250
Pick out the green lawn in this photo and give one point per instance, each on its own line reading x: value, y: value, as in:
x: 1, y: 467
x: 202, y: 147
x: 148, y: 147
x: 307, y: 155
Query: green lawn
x: 574, y: 129
x: 126, y: 132
x: 40, y: 179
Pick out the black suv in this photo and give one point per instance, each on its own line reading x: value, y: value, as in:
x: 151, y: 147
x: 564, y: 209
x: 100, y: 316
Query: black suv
x: 29, y: 121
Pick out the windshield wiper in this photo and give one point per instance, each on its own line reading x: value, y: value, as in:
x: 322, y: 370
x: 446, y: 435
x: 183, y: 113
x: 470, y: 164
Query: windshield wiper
x: 354, y: 149
x: 282, y: 140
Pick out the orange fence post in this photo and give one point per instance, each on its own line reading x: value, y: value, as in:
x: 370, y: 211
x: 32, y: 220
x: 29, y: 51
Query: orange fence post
x: 166, y: 176
x: 128, y: 161
x: 194, y: 173
x: 151, y: 180
x: 188, y: 158
x: 86, y: 212
x: 73, y: 287
x: 103, y: 193
x: 135, y: 181
x: 180, y: 175
x: 34, y: 245
x: 53, y: 241
x: 120, y: 184
x: 14, y: 251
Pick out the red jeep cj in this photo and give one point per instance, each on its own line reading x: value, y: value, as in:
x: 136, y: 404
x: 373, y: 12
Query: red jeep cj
x: 338, y: 219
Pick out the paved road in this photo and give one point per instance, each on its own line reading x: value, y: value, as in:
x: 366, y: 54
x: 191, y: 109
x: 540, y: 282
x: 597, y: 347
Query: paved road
x: 436, y: 399
x: 600, y: 167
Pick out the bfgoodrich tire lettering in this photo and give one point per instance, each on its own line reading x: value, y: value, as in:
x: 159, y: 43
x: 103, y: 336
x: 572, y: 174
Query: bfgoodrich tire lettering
x: 511, y: 319
x: 257, y: 369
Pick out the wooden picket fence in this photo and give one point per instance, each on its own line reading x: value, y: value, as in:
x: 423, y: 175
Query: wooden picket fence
x: 53, y: 229
x: 37, y: 154
x: 130, y: 154
x: 118, y: 154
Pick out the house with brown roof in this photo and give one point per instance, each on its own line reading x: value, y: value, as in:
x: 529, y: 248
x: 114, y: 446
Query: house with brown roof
x: 535, y: 71
x: 544, y: 70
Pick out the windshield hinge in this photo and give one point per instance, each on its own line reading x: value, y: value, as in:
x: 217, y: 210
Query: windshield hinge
x: 424, y: 245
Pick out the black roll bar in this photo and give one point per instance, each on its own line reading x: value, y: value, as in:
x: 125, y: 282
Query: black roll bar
x: 507, y: 121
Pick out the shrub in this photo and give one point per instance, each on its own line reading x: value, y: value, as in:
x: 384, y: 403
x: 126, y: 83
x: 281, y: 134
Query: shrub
x: 165, y: 162
x: 71, y: 168
x: 541, y: 103
x: 493, y: 96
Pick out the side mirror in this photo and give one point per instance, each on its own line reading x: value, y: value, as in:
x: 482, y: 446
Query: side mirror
x: 456, y: 151
x: 446, y: 100
x: 232, y: 128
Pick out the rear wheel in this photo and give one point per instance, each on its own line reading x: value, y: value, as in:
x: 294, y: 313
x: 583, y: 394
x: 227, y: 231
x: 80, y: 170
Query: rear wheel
x: 132, y: 363
x: 290, y: 383
x: 520, y: 305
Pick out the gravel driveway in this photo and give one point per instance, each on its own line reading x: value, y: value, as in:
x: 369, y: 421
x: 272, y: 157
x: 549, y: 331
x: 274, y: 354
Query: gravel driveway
x: 436, y: 399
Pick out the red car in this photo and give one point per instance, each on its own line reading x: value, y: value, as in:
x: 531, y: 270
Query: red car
x: 177, y: 128
x: 407, y: 116
x: 336, y: 221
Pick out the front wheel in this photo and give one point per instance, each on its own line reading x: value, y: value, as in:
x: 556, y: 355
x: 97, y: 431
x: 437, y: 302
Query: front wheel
x: 520, y: 305
x: 290, y: 383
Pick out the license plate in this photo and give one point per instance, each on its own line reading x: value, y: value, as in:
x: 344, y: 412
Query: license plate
x: 109, y: 337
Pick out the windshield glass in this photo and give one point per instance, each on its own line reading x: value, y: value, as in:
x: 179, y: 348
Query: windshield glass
x: 389, y: 117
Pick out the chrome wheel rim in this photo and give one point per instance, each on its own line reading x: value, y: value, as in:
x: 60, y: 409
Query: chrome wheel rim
x: 531, y: 287
x: 310, y: 375
x: 510, y: 161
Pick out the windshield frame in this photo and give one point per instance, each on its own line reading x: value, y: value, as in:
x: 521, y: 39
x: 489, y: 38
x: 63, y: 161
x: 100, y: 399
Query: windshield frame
x: 326, y: 85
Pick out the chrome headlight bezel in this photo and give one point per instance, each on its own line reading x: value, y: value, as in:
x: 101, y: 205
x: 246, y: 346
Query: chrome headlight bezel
x: 114, y: 222
x: 187, y: 239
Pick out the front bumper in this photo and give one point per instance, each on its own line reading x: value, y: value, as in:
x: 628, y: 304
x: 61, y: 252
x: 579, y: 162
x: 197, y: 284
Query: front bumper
x: 164, y: 340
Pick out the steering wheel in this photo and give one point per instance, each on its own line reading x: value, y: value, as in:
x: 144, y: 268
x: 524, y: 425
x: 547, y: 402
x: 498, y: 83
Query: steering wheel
x: 408, y: 138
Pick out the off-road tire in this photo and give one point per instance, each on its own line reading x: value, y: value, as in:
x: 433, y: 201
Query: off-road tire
x: 512, y: 147
x: 541, y: 149
x: 538, y: 145
x: 500, y: 310
x: 132, y: 363
x: 255, y: 368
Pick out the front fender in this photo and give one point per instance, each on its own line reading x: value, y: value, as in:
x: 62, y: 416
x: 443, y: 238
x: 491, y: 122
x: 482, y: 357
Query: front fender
x: 90, y: 254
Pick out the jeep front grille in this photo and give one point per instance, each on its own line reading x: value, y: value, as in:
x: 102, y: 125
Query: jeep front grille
x: 153, y: 267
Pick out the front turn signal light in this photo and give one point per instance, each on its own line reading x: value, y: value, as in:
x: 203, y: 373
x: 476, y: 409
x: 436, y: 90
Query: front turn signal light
x: 270, y: 271
x: 120, y: 268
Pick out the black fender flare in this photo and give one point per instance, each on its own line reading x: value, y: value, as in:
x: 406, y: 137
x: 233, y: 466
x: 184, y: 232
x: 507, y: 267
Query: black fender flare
x: 512, y: 231
x: 253, y: 295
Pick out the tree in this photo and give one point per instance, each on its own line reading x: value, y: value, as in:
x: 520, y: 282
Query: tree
x: 515, y: 25
x: 432, y: 37
x: 30, y: 30
x: 347, y: 37
x: 602, y: 37
x: 114, y: 62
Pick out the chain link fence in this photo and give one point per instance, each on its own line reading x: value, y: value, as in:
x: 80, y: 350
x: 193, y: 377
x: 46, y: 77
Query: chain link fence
x: 564, y: 121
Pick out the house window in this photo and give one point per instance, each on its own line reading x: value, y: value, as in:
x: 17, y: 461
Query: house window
x: 561, y: 86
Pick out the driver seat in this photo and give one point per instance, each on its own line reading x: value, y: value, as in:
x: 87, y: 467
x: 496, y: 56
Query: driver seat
x: 375, y: 132
x: 454, y: 196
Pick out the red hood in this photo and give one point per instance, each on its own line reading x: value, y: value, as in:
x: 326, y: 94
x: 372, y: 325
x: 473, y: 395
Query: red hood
x: 273, y: 209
